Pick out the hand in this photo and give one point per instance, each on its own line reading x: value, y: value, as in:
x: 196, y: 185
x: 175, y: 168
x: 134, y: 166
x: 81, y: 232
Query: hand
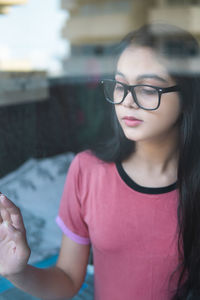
x: 14, y: 250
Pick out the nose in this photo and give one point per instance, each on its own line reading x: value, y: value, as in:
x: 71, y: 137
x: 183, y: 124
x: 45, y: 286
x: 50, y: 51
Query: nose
x: 129, y: 101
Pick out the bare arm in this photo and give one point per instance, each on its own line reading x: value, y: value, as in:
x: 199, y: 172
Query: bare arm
x: 60, y: 282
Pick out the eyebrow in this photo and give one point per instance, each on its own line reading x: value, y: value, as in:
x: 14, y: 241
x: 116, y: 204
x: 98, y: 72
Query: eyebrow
x: 145, y: 76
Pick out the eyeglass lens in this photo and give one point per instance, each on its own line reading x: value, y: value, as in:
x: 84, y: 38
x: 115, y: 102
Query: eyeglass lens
x: 147, y: 97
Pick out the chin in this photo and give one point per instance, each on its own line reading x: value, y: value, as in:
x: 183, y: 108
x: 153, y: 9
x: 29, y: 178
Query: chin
x: 136, y: 136
x: 132, y: 137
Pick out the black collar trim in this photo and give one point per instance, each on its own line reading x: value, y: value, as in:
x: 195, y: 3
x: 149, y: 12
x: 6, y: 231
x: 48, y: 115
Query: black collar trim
x: 146, y: 190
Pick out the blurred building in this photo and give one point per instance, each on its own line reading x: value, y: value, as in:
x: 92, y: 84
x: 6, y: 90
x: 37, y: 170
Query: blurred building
x: 19, y: 83
x: 95, y: 26
x: 5, y: 5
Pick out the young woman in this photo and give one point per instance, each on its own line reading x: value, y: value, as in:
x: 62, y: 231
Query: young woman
x: 136, y: 200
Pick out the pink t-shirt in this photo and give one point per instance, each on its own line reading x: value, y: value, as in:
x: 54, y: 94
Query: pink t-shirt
x: 132, y: 229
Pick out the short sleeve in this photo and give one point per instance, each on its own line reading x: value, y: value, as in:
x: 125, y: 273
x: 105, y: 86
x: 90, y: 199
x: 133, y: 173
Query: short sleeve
x: 70, y: 217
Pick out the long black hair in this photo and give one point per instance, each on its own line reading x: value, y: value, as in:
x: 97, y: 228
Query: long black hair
x: 181, y: 48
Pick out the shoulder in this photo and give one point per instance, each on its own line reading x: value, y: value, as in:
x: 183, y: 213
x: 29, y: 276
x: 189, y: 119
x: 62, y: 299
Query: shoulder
x: 89, y: 166
x: 88, y: 159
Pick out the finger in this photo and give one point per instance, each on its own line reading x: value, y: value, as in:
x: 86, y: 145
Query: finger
x: 6, y: 231
x: 14, y: 234
x: 5, y: 216
x: 14, y: 213
x: 5, y: 202
x: 9, y: 205
x: 9, y: 232
x: 17, y: 222
x: 18, y: 238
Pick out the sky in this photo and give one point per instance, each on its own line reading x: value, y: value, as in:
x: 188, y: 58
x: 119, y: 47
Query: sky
x: 33, y: 32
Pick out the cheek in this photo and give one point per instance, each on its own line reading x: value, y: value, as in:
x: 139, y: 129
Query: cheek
x: 155, y: 122
x: 163, y: 119
x: 169, y: 110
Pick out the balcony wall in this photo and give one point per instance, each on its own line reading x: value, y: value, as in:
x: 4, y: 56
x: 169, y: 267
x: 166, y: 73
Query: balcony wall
x: 187, y: 17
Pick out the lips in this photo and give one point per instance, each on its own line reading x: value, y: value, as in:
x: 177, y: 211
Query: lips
x: 131, y: 118
x: 131, y: 121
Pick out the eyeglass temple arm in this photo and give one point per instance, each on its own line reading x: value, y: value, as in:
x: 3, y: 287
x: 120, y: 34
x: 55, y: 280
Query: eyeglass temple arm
x: 174, y: 88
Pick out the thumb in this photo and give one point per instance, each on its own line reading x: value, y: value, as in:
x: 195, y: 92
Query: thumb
x: 17, y: 236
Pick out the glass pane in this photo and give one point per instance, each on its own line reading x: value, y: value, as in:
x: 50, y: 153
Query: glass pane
x: 53, y: 55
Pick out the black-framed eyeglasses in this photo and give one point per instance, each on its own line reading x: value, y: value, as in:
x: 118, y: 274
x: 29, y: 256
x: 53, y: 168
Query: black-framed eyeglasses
x: 146, y: 96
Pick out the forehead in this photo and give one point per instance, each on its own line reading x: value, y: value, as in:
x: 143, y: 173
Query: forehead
x: 136, y: 60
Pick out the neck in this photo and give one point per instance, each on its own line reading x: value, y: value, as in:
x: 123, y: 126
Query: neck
x: 157, y: 155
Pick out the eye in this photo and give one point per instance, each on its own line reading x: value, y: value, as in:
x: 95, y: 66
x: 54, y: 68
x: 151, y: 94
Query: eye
x: 145, y: 90
x: 119, y: 87
x: 149, y: 91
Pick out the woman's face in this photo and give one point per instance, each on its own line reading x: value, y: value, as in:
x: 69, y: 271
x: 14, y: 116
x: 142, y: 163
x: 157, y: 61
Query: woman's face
x: 139, y: 65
